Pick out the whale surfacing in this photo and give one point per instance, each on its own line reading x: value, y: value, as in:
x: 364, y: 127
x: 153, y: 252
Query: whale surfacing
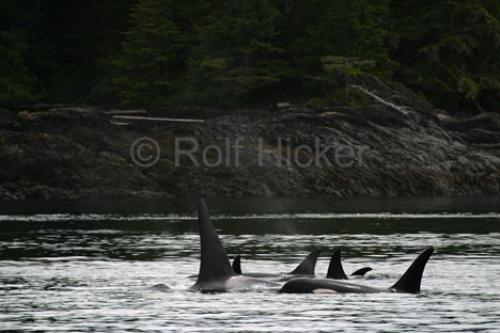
x: 308, y: 265
x: 336, y: 270
x: 305, y: 269
x: 237, y: 264
x: 216, y: 273
x: 408, y: 283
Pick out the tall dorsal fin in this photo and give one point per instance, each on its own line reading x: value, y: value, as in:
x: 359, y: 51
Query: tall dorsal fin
x: 361, y: 271
x: 237, y: 264
x: 410, y: 281
x: 214, y: 263
x: 306, y: 267
x: 335, y: 269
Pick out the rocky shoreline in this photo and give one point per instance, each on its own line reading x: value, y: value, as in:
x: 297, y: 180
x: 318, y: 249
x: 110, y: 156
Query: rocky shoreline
x: 394, y: 144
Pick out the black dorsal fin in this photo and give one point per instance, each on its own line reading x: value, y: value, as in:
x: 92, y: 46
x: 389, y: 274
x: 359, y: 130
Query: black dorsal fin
x: 237, y: 264
x: 335, y: 269
x: 410, y: 281
x: 361, y: 271
x: 214, y: 263
x: 307, y: 266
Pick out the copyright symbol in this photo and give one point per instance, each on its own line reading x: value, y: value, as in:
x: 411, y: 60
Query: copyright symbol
x: 145, y: 152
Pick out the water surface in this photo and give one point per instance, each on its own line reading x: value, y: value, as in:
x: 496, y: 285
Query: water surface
x: 90, y: 265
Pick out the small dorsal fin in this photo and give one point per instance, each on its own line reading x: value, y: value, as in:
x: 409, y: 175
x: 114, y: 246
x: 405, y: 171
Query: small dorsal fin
x: 410, y: 281
x: 214, y: 263
x: 335, y: 269
x: 237, y: 264
x: 307, y: 266
x: 361, y: 271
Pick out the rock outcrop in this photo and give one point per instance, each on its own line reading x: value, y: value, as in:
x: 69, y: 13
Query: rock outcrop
x: 393, y: 145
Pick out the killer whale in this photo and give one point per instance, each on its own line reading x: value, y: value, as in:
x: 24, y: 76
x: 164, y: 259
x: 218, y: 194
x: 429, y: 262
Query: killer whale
x: 361, y: 271
x: 306, y: 268
x: 336, y: 270
x: 237, y: 264
x: 408, y: 283
x: 308, y: 265
x: 216, y: 273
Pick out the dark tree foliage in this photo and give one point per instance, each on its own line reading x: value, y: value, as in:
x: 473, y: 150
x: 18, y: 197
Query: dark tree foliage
x: 239, y: 54
x: 152, y: 58
x: 450, y: 49
x: 243, y: 52
x: 17, y: 18
x: 66, y: 41
x: 15, y: 81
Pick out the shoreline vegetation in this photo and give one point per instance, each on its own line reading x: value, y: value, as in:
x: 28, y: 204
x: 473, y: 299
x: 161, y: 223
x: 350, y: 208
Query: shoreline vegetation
x: 242, y: 53
x: 366, y: 98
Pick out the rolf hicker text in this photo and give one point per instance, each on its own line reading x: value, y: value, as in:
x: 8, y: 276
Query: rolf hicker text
x: 230, y: 152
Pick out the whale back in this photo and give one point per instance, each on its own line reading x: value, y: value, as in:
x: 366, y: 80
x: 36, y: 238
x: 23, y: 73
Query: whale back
x: 307, y: 266
x: 411, y: 279
x: 335, y: 269
x: 214, y: 265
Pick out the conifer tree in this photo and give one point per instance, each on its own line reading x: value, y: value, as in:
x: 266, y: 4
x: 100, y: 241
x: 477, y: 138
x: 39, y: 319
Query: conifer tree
x: 148, y: 68
x: 239, y: 52
x: 338, y: 40
x: 449, y: 49
x: 16, y: 82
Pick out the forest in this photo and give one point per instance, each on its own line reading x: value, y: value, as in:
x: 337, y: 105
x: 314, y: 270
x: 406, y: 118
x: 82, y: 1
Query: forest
x: 233, y: 53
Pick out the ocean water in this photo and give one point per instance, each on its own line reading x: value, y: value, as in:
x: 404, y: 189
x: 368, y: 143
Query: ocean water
x: 92, y: 265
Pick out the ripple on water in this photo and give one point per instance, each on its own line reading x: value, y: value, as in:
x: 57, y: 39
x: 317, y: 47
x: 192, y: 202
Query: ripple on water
x: 98, y: 274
